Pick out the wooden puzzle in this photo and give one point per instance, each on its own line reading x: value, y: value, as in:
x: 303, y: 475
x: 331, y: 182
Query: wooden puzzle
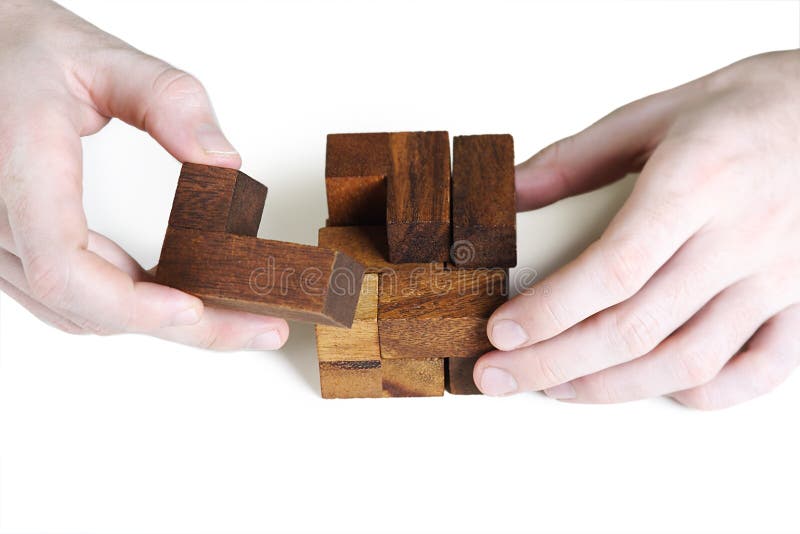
x: 410, y: 265
x: 436, y: 249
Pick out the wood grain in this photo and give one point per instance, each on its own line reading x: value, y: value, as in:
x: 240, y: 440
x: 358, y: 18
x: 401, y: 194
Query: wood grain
x: 356, y: 200
x: 368, y: 246
x: 413, y: 378
x: 439, y: 315
x: 216, y: 199
x: 484, y: 205
x: 418, y: 197
x: 350, y: 360
x: 298, y: 282
x: 458, y: 376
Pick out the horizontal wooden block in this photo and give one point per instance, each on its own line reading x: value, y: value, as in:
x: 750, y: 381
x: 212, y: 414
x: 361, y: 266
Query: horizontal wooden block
x: 458, y: 376
x: 216, y: 199
x: 298, y: 282
x: 439, y: 315
x: 351, y: 380
x: 356, y: 200
x: 418, y: 197
x: 484, y: 205
x: 413, y: 378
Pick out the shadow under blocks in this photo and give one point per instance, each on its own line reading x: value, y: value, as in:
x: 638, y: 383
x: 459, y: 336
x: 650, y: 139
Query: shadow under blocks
x: 412, y: 261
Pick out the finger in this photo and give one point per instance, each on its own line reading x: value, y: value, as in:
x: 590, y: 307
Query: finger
x: 218, y: 329
x: 41, y: 188
x: 630, y: 329
x: 169, y: 104
x: 6, y: 240
x: 652, y: 225
x: 694, y: 355
x: 229, y: 330
x: 770, y: 357
x: 13, y: 284
x: 602, y: 153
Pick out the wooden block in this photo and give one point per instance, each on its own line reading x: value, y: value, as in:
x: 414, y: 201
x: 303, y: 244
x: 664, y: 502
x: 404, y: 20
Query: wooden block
x: 413, y: 378
x: 484, y: 206
x: 298, y: 282
x: 215, y: 199
x: 418, y: 197
x: 350, y: 379
x: 356, y: 200
x: 357, y: 154
x: 350, y: 360
x: 458, y: 376
x: 438, y: 315
x: 367, y: 245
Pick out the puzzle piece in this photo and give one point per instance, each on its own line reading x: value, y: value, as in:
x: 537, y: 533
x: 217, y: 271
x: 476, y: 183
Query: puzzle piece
x: 484, y: 207
x: 211, y: 250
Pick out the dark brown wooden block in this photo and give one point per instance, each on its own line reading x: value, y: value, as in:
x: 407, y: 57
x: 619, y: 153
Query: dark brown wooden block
x: 484, y: 207
x: 356, y: 200
x: 458, y: 376
x: 298, y: 282
x: 418, y: 197
x: 215, y: 199
x: 413, y: 378
x: 438, y: 314
x: 357, y: 154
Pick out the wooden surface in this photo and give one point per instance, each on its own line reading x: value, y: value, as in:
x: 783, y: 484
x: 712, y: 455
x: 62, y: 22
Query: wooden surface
x: 368, y: 246
x: 441, y: 315
x: 350, y: 359
x: 261, y: 276
x: 356, y: 200
x: 215, y: 199
x: 418, y: 197
x: 458, y: 376
x: 357, y: 154
x: 413, y: 378
x: 484, y: 206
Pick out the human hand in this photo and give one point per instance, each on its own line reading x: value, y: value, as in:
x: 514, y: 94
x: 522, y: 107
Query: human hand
x: 62, y: 78
x: 693, y: 290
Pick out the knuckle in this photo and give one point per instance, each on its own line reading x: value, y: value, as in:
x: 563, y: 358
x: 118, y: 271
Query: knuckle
x: 635, y: 332
x: 625, y: 268
x: 174, y: 84
x: 694, y: 368
x: 48, y: 280
x: 545, y: 373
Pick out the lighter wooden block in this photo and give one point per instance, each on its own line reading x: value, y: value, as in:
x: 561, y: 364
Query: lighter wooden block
x: 413, y: 378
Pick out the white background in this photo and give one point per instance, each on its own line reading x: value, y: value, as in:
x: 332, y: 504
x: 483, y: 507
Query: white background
x: 134, y: 435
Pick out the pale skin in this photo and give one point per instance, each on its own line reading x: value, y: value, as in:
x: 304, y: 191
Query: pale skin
x: 691, y: 292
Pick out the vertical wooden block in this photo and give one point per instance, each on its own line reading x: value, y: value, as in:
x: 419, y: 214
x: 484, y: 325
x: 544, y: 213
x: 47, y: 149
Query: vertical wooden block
x: 458, y: 376
x: 356, y: 167
x: 418, y: 197
x: 413, y: 378
x: 439, y: 314
x: 350, y: 360
x: 215, y: 199
x: 484, y: 206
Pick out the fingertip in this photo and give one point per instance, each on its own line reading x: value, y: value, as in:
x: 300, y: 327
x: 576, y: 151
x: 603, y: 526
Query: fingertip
x: 215, y: 147
x: 507, y: 334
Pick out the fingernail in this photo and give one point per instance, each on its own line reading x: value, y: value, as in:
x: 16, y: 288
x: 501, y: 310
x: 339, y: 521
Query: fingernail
x: 213, y: 141
x: 561, y: 392
x: 508, y: 335
x: 497, y: 382
x: 187, y: 317
x: 267, y: 341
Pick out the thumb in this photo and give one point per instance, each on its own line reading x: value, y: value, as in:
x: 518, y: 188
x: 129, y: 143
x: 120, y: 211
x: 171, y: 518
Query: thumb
x: 169, y: 104
x: 604, y: 152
